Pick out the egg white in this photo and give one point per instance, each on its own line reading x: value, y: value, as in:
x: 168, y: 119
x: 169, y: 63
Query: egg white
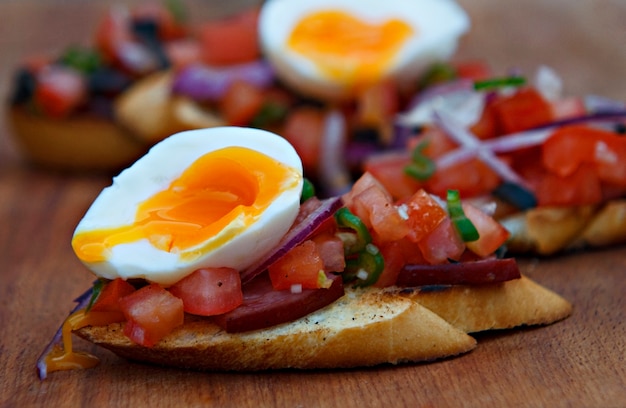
x: 116, y: 206
x: 438, y: 24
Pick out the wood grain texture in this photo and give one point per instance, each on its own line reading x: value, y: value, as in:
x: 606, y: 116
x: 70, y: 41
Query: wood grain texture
x: 577, y: 362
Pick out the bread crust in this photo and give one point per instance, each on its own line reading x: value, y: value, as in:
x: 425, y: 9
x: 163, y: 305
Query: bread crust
x: 144, y: 114
x: 514, y: 303
x: 363, y: 328
x: 79, y: 143
x: 549, y: 230
x: 168, y: 113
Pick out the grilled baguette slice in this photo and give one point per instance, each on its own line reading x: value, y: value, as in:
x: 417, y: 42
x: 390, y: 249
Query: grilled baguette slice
x: 549, y: 230
x: 518, y: 302
x: 77, y: 144
x: 363, y: 328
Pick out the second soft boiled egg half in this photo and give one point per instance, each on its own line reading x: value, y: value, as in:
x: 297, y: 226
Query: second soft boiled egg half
x: 329, y: 49
x: 219, y: 197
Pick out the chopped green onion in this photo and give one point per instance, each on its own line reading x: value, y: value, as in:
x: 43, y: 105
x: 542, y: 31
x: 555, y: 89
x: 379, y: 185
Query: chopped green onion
x: 98, y: 285
x: 84, y: 60
x: 499, y: 83
x: 308, y: 190
x: 421, y: 167
x: 345, y: 219
x: 463, y: 225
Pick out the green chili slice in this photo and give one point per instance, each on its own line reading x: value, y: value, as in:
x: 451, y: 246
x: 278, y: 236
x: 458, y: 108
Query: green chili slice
x: 421, y: 167
x: 366, y: 268
x: 463, y: 225
x: 495, y: 83
x: 308, y: 190
x: 345, y: 219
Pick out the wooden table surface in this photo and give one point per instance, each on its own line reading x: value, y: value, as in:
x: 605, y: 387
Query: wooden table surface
x: 576, y: 362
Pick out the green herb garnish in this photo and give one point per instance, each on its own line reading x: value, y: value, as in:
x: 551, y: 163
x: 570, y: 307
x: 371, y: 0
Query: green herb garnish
x: 463, y: 225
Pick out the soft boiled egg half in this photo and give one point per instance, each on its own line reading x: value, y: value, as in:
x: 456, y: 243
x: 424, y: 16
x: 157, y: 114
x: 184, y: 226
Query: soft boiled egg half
x: 330, y: 49
x: 219, y: 197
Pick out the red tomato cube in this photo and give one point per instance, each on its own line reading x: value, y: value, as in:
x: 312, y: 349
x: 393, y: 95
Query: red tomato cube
x: 151, y: 313
x: 209, y: 291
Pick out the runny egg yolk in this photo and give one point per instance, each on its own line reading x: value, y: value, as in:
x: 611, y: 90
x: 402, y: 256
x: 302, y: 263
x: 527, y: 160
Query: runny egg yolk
x: 346, y: 48
x: 199, y: 206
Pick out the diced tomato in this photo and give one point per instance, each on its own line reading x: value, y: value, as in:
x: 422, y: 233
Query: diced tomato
x: 436, y: 143
x: 392, y: 253
x: 375, y: 208
x: 232, y: 40
x: 112, y: 292
x: 209, y: 291
x: 59, y: 91
x: 570, y: 107
x: 112, y: 31
x: 304, y: 128
x: 182, y: 53
x: 241, y: 103
x: 474, y: 70
x: 151, y: 313
x: 522, y: 110
x: 610, y: 159
x: 388, y: 168
x: 330, y: 248
x: 487, y: 126
x: 396, y: 255
x: 425, y: 214
x: 571, y: 146
x: 116, y: 43
x: 364, y: 182
x: 492, y: 234
x: 471, y: 178
x: 302, y: 265
x: 579, y: 188
x: 567, y: 148
x: 442, y: 244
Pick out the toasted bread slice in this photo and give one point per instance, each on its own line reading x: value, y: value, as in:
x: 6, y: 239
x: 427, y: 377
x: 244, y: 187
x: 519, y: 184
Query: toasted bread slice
x: 504, y: 305
x: 168, y: 113
x: 363, y: 328
x: 79, y: 143
x: 548, y: 230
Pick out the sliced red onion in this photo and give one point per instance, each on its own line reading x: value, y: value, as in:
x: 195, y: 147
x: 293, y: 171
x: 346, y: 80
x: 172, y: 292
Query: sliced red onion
x: 512, y: 142
x: 442, y: 89
x: 597, y: 103
x: 609, y: 115
x: 206, y: 83
x: 296, y: 235
x: 466, y: 139
x: 333, y: 172
x: 402, y: 134
x: 358, y: 152
x: 57, y: 341
x: 457, y: 98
